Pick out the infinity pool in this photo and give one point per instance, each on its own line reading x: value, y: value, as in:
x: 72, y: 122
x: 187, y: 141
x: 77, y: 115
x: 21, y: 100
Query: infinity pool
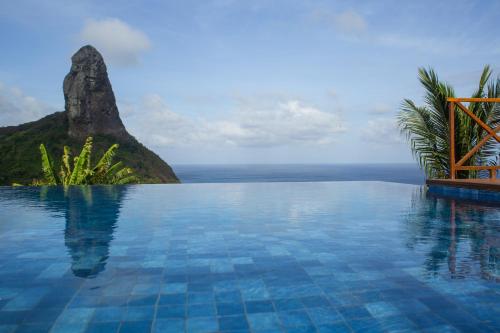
x: 262, y: 257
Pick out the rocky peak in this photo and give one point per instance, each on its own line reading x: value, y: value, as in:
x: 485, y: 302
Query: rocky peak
x: 89, y: 99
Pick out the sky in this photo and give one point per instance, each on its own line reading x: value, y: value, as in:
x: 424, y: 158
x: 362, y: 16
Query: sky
x: 250, y: 81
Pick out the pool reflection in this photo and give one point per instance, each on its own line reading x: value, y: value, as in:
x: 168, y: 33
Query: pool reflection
x: 458, y: 238
x: 91, y: 215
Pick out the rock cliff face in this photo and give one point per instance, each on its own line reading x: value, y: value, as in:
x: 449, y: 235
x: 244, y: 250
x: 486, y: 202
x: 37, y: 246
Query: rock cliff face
x: 89, y: 98
x: 90, y: 111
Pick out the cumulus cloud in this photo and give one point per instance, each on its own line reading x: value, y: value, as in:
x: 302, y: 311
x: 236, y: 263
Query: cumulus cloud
x: 348, y: 22
x: 382, y: 130
x: 16, y: 107
x: 381, y: 109
x: 120, y: 43
x: 277, y: 123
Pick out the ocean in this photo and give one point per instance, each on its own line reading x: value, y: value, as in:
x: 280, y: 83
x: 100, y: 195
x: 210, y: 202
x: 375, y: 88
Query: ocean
x: 243, y: 173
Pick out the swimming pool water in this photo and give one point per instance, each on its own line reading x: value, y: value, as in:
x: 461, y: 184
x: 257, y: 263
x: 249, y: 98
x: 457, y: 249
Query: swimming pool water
x: 261, y: 257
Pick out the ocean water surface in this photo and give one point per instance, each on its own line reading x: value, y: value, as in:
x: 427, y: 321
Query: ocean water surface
x: 237, y: 173
x: 247, y: 257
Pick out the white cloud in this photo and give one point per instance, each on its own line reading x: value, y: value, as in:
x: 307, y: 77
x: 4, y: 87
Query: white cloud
x: 382, y: 130
x: 436, y: 45
x: 119, y: 43
x: 352, y: 25
x: 381, y: 109
x: 16, y: 107
x: 350, y: 22
x: 289, y: 122
x: 347, y: 22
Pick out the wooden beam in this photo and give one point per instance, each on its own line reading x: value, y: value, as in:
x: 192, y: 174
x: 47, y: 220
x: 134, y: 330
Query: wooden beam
x: 492, y: 133
x: 476, y: 148
x: 479, y: 167
x: 452, y: 140
x: 478, y: 100
x: 479, y: 121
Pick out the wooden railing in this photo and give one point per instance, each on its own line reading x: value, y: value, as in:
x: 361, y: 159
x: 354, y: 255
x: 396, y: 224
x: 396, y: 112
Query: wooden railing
x: 492, y: 133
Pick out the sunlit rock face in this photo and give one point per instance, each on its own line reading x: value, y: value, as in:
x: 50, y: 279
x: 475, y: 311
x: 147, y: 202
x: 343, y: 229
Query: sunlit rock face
x: 89, y: 98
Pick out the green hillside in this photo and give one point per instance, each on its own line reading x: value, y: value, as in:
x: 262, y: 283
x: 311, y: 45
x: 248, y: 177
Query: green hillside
x: 20, y: 156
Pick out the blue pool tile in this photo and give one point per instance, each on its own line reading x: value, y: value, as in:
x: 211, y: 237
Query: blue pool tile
x: 113, y: 301
x: 172, y: 299
x: 301, y: 329
x: 381, y: 309
x: 171, y: 311
x: 339, y: 327
x: 146, y: 289
x: 7, y: 328
x: 294, y: 318
x: 228, y: 297
x: 174, y: 288
x: 354, y: 312
x: 288, y: 304
x: 43, y: 315
x: 314, y: 301
x: 169, y: 326
x: 397, y: 323
x: 264, y: 321
x: 410, y: 306
x: 253, y: 290
x: 233, y: 323
x: 103, y: 314
x: 84, y: 302
x: 199, y: 287
x: 33, y: 328
x: 27, y: 300
x: 202, y: 325
x: 229, y: 309
x: 13, y: 317
x: 221, y: 267
x: 142, y: 300
x: 139, y: 313
x: 367, y: 296
x: 242, y: 260
x: 441, y: 329
x: 365, y: 325
x: 121, y: 289
x: 201, y: 310
x: 230, y: 285
x: 259, y: 306
x: 103, y: 327
x: 75, y: 316
x: 324, y: 315
x: 201, y: 298
x: 135, y: 326
x: 68, y: 327
x: 210, y: 261
x: 437, y: 303
x: 55, y: 270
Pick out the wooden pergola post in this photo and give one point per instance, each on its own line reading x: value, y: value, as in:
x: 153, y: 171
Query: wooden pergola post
x: 491, y: 134
x: 452, y: 140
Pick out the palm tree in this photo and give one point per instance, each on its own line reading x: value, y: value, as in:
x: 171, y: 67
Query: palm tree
x: 427, y: 127
x: 104, y: 172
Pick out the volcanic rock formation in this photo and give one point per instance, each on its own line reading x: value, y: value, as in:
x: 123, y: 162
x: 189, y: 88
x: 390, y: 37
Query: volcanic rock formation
x: 89, y: 98
x: 90, y: 110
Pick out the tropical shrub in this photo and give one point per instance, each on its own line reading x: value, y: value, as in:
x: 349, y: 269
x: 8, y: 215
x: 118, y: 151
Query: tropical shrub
x: 80, y: 171
x: 427, y: 127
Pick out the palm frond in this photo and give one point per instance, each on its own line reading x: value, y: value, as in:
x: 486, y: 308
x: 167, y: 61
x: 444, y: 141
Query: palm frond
x: 79, y: 171
x: 427, y: 127
x: 47, y: 168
